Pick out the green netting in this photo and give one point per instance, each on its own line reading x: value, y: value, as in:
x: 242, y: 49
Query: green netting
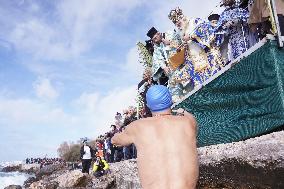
x: 245, y: 101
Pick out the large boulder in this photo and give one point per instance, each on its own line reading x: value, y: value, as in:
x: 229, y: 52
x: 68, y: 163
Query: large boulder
x: 254, y: 163
x: 72, y: 179
x: 26, y: 168
x: 11, y: 168
x: 13, y: 187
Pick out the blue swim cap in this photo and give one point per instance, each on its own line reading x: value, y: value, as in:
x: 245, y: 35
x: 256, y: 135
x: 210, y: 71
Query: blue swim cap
x: 158, y: 98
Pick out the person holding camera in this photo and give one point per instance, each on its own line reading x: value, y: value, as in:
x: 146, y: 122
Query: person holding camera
x: 100, y: 167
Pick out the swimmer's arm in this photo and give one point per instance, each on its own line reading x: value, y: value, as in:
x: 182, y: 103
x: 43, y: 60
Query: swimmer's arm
x: 123, y: 138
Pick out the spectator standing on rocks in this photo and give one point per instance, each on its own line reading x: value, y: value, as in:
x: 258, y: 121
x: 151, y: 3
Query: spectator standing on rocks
x: 86, y: 153
x: 156, y: 138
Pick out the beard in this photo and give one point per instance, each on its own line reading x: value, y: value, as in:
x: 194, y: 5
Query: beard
x: 184, y: 25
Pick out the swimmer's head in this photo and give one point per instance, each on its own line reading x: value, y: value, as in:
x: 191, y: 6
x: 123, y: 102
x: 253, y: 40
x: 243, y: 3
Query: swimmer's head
x: 158, y: 98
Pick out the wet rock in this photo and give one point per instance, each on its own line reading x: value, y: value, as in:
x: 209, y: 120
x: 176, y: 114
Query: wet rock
x: 26, y: 168
x: 29, y: 181
x: 11, y: 168
x: 13, y: 187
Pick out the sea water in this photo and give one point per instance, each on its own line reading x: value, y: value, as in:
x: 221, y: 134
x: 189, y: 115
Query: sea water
x: 12, y: 178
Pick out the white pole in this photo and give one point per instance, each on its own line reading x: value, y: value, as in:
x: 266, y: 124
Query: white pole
x: 274, y: 12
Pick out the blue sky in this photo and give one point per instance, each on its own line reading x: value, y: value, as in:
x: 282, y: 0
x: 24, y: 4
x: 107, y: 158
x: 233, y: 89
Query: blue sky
x: 66, y: 66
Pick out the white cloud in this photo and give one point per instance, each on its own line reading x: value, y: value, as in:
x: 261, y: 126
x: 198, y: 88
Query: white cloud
x: 88, y: 20
x: 25, y: 112
x: 39, y: 39
x: 5, y: 45
x: 117, y: 100
x: 88, y: 110
x: 87, y: 101
x: 34, y: 7
x: 74, y: 28
x: 191, y: 8
x: 90, y: 115
x: 45, y: 90
x: 132, y: 66
x: 99, y: 110
x: 65, y: 32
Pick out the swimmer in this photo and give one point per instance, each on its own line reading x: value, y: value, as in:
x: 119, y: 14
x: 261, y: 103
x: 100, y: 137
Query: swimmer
x: 166, y: 144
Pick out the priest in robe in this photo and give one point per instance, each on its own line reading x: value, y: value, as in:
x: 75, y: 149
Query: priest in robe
x: 196, y: 39
x: 165, y: 44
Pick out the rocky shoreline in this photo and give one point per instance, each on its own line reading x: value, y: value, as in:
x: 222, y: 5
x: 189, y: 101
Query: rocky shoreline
x: 24, y: 168
x: 254, y: 163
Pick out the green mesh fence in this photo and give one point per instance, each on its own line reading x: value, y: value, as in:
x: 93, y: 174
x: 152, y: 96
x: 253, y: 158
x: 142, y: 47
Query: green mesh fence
x: 245, y: 101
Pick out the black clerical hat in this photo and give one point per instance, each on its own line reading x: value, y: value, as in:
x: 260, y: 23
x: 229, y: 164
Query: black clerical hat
x: 152, y: 32
x: 213, y: 17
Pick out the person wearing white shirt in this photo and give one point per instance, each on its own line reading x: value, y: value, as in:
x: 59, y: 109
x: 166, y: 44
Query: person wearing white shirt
x: 86, y: 153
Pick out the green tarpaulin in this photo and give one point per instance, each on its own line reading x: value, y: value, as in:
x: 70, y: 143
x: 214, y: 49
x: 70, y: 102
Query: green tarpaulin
x: 245, y: 101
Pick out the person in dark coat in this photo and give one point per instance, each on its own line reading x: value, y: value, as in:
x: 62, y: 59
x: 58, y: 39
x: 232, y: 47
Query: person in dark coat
x: 86, y: 155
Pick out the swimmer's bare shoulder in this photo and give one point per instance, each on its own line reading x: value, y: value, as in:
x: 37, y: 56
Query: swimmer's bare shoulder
x: 188, y: 117
x: 128, y: 135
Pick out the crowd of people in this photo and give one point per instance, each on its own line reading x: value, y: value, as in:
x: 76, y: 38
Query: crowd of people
x: 185, y: 58
x: 44, y: 161
x: 111, y: 153
x: 103, y: 151
x: 197, y: 49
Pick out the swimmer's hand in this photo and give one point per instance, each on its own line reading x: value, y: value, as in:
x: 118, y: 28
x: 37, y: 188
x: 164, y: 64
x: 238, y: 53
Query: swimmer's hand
x: 179, y: 111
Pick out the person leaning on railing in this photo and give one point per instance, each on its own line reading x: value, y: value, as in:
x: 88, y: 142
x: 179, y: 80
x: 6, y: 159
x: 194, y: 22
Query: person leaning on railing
x: 260, y: 16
